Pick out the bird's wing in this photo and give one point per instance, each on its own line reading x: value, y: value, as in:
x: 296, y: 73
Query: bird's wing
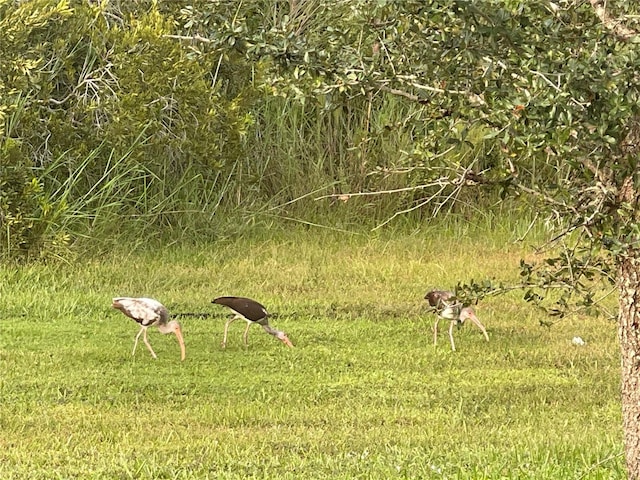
x: 439, y: 298
x: 246, y: 307
x: 143, y: 310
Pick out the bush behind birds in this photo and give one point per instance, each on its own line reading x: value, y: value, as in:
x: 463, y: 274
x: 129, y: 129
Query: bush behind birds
x: 122, y: 130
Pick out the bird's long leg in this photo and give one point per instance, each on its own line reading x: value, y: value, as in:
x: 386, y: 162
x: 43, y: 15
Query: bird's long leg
x: 135, y: 344
x: 453, y: 345
x: 435, y: 331
x: 481, y: 327
x: 146, y: 342
x: 226, y: 328
x: 246, y: 335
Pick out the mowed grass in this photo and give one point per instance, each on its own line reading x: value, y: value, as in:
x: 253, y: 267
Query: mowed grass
x: 364, y: 393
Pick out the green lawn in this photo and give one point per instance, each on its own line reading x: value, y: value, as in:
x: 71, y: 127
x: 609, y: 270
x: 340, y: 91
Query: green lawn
x: 364, y: 394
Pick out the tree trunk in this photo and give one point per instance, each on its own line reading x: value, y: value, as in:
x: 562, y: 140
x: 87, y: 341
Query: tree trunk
x: 629, y: 336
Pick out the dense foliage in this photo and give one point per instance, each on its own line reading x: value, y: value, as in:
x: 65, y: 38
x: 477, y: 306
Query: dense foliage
x: 106, y: 121
x: 157, y: 113
x: 148, y: 117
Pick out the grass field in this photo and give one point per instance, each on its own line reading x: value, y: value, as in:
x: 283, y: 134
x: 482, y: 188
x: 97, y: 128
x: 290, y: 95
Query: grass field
x: 364, y: 394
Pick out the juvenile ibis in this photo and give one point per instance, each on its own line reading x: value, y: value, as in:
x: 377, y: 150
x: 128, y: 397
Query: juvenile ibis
x: 252, y: 312
x: 149, y: 312
x: 448, y: 307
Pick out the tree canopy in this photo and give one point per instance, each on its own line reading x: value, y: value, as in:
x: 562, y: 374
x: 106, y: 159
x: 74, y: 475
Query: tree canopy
x: 547, y: 87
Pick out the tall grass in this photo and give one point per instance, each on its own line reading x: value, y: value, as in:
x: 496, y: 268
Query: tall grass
x: 105, y: 199
x: 302, y: 147
x: 358, y: 165
x: 377, y: 160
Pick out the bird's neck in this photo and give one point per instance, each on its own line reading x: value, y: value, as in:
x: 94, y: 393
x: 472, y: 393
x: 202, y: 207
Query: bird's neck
x: 165, y: 328
x: 271, y: 331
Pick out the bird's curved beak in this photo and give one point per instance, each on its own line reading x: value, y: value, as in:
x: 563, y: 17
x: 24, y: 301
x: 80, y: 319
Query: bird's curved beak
x: 178, y: 332
x: 478, y: 324
x: 286, y: 341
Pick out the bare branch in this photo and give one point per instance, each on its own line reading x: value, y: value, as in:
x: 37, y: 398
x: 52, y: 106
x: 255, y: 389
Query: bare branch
x: 411, y: 209
x: 524, y: 235
x: 410, y: 80
x: 555, y: 86
x: 602, y: 193
x: 442, y: 181
x: 402, y: 93
x: 546, y: 198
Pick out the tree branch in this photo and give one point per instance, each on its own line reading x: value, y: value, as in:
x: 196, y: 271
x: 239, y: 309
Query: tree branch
x: 442, y: 181
x: 546, y: 198
x: 402, y: 93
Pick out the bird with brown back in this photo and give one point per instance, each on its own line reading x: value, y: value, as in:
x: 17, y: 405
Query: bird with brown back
x: 252, y: 312
x: 447, y: 306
